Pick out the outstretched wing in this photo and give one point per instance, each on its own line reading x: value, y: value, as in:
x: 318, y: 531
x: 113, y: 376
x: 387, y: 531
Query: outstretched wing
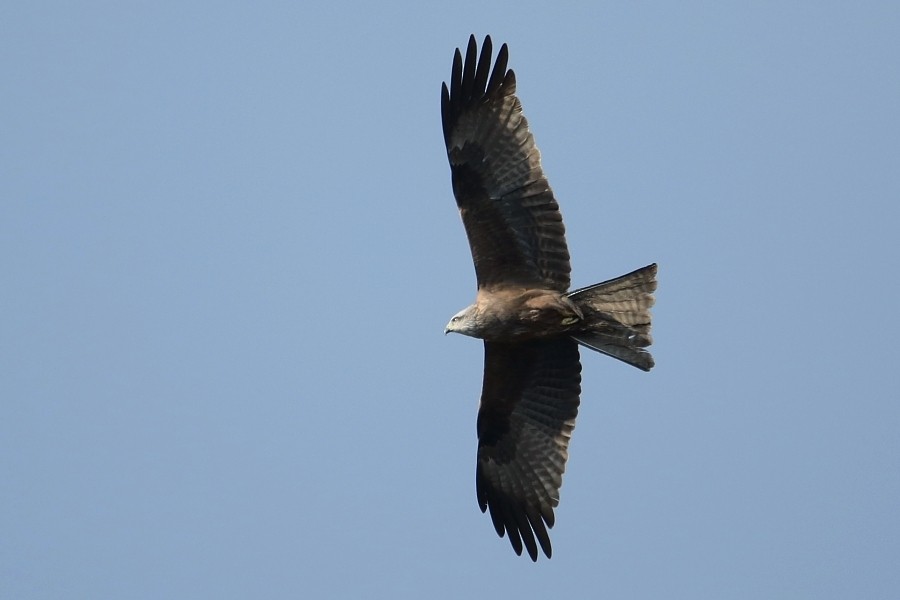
x: 512, y: 220
x: 528, y: 407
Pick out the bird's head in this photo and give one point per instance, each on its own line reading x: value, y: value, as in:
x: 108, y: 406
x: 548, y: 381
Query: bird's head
x: 464, y: 322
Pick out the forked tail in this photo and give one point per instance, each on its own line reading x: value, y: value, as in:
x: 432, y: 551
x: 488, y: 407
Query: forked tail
x: 617, y: 316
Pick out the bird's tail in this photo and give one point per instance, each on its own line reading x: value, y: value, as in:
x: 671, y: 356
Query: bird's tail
x: 617, y: 316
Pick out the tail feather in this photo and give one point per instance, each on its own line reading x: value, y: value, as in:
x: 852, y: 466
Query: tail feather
x: 633, y: 355
x: 617, y: 316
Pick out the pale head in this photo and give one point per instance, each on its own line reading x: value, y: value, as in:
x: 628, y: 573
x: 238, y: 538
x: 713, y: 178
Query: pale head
x: 465, y: 322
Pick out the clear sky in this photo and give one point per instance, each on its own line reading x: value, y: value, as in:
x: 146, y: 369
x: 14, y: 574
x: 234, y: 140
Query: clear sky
x: 228, y: 250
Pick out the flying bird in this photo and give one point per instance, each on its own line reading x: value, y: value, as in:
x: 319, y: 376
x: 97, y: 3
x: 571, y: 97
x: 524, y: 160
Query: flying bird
x: 531, y: 324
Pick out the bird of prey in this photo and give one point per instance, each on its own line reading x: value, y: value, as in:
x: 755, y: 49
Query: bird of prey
x: 531, y: 324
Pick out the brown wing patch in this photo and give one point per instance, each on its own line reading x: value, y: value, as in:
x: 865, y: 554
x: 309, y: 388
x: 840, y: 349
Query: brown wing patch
x: 528, y: 407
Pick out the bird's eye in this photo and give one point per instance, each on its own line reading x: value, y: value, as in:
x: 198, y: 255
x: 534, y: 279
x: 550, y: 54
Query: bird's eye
x: 455, y: 319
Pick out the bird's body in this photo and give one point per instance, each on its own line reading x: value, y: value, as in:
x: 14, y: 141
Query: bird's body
x: 530, y: 323
x: 514, y: 314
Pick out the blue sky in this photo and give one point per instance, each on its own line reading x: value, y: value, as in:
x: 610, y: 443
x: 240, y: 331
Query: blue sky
x: 228, y: 249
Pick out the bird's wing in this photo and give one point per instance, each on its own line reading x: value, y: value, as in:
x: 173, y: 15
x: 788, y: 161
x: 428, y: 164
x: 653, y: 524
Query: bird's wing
x: 512, y: 220
x: 528, y: 407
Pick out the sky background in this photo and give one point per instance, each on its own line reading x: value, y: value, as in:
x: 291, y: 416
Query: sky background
x: 228, y: 250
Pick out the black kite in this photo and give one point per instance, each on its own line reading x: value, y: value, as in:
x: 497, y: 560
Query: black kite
x: 530, y: 323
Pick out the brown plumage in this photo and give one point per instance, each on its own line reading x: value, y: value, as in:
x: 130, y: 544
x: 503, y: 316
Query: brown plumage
x: 530, y: 323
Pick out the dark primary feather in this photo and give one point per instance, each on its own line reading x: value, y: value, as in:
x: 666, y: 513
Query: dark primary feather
x: 512, y: 220
x: 529, y: 402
